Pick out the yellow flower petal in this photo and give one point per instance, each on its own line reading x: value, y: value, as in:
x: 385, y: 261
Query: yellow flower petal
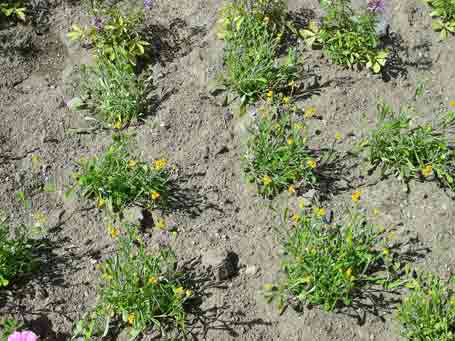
x: 356, y: 196
x: 427, y: 170
x: 311, y: 164
x: 155, y: 195
x: 266, y: 180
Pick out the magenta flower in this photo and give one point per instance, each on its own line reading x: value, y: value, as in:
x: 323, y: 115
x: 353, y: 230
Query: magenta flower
x: 23, y: 336
x: 376, y: 6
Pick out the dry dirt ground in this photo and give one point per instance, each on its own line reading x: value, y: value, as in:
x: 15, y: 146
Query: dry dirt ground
x: 193, y: 131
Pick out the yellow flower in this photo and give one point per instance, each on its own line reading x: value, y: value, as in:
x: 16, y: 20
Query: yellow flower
x: 266, y: 180
x: 309, y: 112
x: 320, y: 212
x: 285, y: 100
x: 113, y: 231
x: 160, y: 224
x: 155, y: 195
x: 179, y: 291
x: 118, y: 124
x: 290, y: 141
x: 356, y: 196
x: 131, y: 318
x: 160, y: 164
x: 153, y: 280
x: 295, y: 218
x: 386, y: 252
x: 291, y: 189
x: 452, y: 103
x: 101, y: 202
x: 427, y: 170
x: 132, y: 164
x: 269, y: 94
x: 311, y: 164
x: 188, y: 293
x: 338, y: 136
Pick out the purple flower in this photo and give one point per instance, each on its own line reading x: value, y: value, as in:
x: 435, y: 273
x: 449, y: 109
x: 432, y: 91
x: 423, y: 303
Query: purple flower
x: 98, y: 23
x: 23, y: 336
x: 163, y: 238
x: 376, y: 6
x: 148, y: 4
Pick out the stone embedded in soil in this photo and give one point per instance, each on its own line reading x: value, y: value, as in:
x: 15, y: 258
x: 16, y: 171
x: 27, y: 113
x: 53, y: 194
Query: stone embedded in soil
x: 251, y: 270
x: 222, y: 264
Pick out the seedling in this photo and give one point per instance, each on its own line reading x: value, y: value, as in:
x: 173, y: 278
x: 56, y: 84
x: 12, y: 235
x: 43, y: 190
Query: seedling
x: 444, y: 14
x: 428, y: 311
x: 412, y: 151
x: 16, y: 256
x: 277, y: 156
x: 346, y: 37
x: 252, y: 31
x: 112, y: 91
x: 331, y: 264
x: 140, y: 289
x: 117, y: 179
x: 113, y: 33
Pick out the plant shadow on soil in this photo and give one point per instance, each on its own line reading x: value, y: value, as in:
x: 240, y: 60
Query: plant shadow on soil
x: 333, y: 174
x: 167, y: 43
x: 210, y: 318
x: 49, y: 273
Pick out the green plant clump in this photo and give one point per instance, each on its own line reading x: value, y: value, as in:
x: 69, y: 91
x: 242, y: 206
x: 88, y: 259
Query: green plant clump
x: 12, y: 10
x: 117, y: 179
x: 428, y: 312
x: 407, y: 151
x: 330, y: 265
x: 252, y: 31
x: 346, y: 37
x: 16, y: 255
x: 444, y: 12
x: 277, y: 155
x: 113, y: 33
x: 141, y: 290
x: 113, y: 91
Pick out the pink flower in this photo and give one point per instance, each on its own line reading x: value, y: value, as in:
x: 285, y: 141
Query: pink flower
x: 23, y: 336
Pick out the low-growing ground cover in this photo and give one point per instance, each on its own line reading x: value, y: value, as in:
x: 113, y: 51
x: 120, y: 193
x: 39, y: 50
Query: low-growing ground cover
x: 137, y: 257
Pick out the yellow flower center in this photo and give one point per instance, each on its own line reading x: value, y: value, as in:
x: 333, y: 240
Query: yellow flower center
x: 160, y: 164
x: 160, y: 224
x: 267, y: 180
x: 356, y: 196
x: 153, y: 280
x: 427, y: 170
x: 311, y: 164
x: 155, y: 195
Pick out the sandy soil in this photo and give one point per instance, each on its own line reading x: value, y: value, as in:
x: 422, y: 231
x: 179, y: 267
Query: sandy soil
x: 190, y: 129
